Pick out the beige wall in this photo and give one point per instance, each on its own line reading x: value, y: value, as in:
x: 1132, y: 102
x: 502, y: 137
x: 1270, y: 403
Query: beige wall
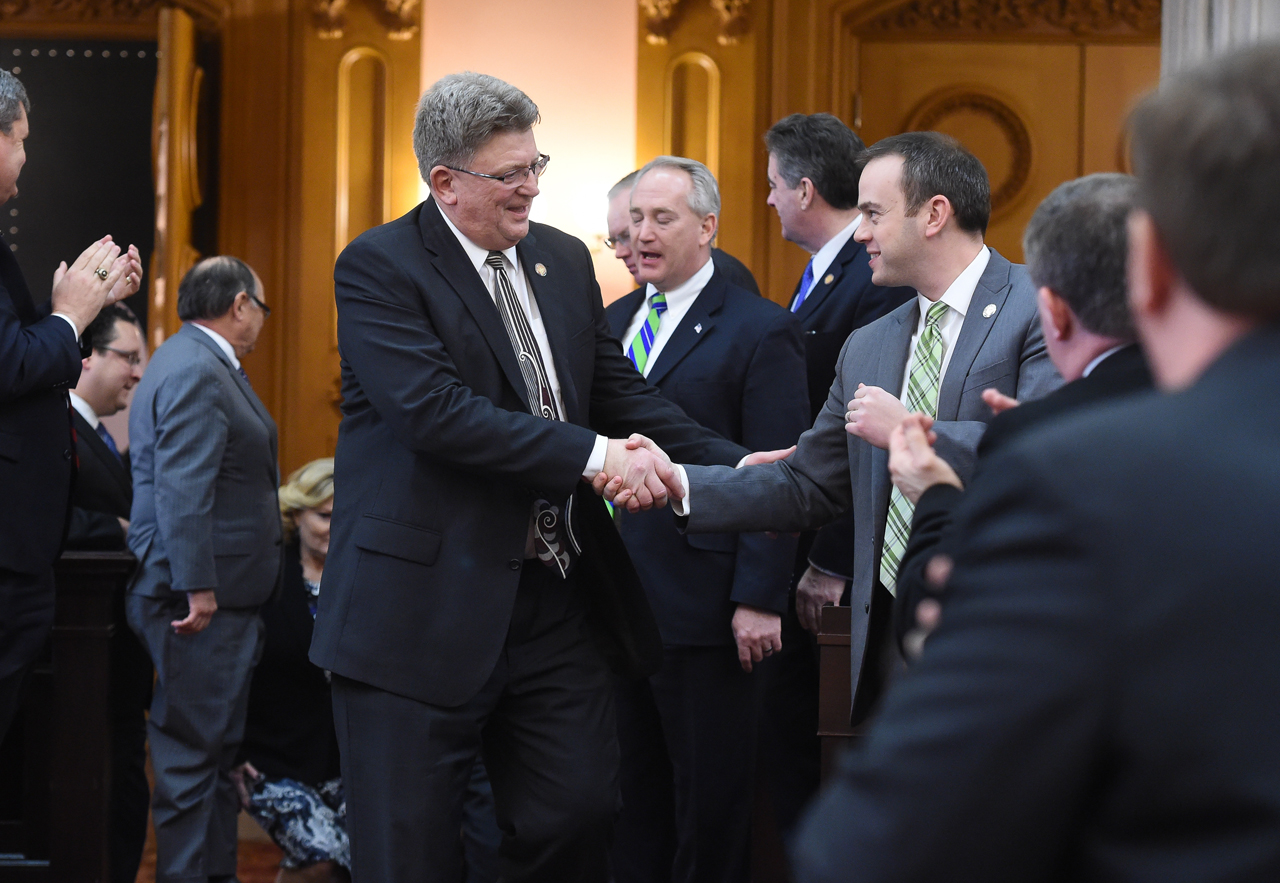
x: 577, y: 60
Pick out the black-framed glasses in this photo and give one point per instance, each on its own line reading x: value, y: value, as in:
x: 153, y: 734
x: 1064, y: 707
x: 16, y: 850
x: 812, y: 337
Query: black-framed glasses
x: 515, y: 177
x: 132, y: 357
x: 266, y: 310
x: 614, y: 241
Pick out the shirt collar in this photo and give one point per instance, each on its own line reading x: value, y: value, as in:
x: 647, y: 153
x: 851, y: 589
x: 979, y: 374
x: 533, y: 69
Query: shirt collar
x: 687, y: 290
x: 823, y: 257
x: 85, y: 410
x: 221, y: 341
x: 475, y: 253
x: 1100, y: 358
x: 960, y: 292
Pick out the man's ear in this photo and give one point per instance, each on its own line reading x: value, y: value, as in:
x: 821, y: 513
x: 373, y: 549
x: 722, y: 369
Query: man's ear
x: 1060, y: 322
x: 1151, y: 273
x: 708, y: 232
x: 441, y: 180
x: 807, y: 192
x: 937, y: 213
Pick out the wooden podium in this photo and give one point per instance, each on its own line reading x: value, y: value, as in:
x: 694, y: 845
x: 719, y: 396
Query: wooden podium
x: 835, y: 690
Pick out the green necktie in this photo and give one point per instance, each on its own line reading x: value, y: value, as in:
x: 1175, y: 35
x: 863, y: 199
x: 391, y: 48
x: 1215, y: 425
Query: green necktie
x: 642, y: 343
x: 922, y: 395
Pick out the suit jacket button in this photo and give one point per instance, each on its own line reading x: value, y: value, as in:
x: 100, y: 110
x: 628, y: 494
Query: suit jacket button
x: 66, y: 454
x: 866, y: 608
x: 514, y: 564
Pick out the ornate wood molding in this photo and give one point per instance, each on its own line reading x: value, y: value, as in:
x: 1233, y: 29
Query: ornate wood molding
x: 108, y: 12
x: 399, y: 17
x: 733, y: 20
x: 1078, y: 18
x: 658, y: 19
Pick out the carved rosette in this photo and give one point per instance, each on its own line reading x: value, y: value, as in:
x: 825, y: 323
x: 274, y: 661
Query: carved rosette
x: 329, y: 18
x: 399, y: 17
x: 1009, y: 179
x: 207, y: 12
x: 733, y: 20
x: 658, y: 19
x: 1079, y: 18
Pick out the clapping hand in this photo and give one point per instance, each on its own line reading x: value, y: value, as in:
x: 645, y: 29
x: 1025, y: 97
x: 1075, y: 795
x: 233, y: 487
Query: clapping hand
x: 873, y: 414
x: 914, y: 466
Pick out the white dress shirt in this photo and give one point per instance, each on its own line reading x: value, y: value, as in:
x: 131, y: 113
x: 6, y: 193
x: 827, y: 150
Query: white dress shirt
x: 519, y: 282
x: 222, y: 343
x: 957, y: 297
x: 823, y: 257
x: 1100, y: 358
x: 679, y: 299
x: 85, y: 410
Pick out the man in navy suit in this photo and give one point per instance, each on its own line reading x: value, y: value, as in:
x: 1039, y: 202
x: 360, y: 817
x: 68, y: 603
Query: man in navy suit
x: 39, y: 362
x: 813, y: 186
x: 734, y: 362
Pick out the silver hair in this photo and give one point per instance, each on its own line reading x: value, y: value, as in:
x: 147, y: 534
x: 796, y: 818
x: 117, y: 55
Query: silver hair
x: 704, y: 196
x: 624, y: 184
x: 460, y: 113
x: 13, y: 99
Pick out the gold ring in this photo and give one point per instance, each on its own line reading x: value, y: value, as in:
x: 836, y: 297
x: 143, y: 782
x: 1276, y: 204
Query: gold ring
x: 102, y: 272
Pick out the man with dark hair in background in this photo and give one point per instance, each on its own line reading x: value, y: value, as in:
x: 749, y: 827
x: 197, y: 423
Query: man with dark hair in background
x: 1075, y: 245
x: 39, y: 362
x: 206, y: 529
x: 1099, y: 699
x: 101, y: 500
x: 813, y: 186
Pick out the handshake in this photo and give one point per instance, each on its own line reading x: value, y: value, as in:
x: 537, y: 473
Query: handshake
x: 637, y: 475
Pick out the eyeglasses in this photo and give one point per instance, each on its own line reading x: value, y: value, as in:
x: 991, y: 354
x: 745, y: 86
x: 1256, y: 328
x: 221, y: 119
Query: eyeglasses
x: 132, y: 357
x: 266, y: 310
x: 621, y: 239
x: 515, y: 177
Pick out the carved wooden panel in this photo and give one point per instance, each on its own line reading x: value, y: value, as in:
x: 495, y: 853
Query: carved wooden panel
x: 692, y: 120
x: 1020, y: 18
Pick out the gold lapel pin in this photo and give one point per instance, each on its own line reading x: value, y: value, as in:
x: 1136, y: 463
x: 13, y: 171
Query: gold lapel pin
x: 988, y: 311
x: 540, y: 269
x: 829, y: 278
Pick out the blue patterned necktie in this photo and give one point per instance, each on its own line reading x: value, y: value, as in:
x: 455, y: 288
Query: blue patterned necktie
x: 240, y: 368
x: 642, y: 343
x: 806, y: 282
x: 109, y: 441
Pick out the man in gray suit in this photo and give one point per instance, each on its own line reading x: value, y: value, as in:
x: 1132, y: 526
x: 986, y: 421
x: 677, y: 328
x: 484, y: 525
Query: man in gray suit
x: 205, y: 526
x: 973, y: 325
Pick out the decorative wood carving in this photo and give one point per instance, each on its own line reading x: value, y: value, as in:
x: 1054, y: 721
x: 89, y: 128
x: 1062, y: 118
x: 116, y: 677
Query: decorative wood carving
x: 399, y: 17
x: 932, y: 112
x: 206, y: 12
x: 329, y: 18
x: 658, y: 19
x: 733, y: 20
x: 1075, y: 17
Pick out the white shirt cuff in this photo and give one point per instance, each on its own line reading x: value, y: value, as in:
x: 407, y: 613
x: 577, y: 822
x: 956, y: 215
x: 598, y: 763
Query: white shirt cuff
x: 681, y: 507
x: 595, y: 463
x: 71, y: 322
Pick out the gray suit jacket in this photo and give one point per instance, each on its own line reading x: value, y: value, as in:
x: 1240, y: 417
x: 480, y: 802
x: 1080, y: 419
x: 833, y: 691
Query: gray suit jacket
x: 831, y: 469
x: 203, y: 446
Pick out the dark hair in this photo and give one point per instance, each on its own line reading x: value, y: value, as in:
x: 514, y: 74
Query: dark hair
x: 821, y: 148
x: 101, y: 332
x: 1206, y: 149
x: 1076, y: 244
x: 934, y: 164
x: 13, y: 98
x: 211, y: 286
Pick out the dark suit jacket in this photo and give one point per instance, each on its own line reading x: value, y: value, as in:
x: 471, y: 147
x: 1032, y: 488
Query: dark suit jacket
x: 103, y: 492
x: 734, y: 270
x: 1099, y: 700
x: 736, y: 365
x: 439, y: 460
x: 1122, y: 373
x: 39, y: 362
x: 843, y: 299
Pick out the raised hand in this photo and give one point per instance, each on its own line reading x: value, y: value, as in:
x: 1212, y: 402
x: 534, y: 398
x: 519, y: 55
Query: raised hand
x: 82, y: 289
x: 913, y: 464
x: 873, y: 414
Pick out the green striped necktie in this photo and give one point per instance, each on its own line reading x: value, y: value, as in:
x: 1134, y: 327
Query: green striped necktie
x: 642, y: 343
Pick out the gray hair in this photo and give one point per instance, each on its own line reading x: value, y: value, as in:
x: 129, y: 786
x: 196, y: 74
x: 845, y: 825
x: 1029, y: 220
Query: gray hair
x: 625, y: 183
x: 1077, y: 243
x: 704, y: 196
x: 210, y: 287
x: 13, y: 99
x: 460, y: 113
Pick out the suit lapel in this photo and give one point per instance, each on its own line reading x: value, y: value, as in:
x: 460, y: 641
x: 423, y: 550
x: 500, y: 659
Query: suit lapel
x: 453, y: 265
x: 991, y: 291
x: 822, y: 288
x: 892, y: 365
x: 546, y: 289
x: 241, y: 384
x: 115, y: 468
x: 622, y: 312
x: 697, y: 325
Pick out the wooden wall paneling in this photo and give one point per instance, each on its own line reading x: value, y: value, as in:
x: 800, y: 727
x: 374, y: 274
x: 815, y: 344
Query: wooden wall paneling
x: 691, y: 109
x: 1114, y: 78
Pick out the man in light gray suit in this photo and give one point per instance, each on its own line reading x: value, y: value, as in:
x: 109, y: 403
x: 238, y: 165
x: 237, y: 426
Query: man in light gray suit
x: 205, y: 526
x: 925, y: 202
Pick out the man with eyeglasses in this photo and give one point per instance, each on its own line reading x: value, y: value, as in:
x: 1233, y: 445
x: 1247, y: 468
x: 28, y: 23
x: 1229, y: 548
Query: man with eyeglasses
x: 618, y: 222
x: 205, y: 526
x: 476, y: 593
x: 100, y: 500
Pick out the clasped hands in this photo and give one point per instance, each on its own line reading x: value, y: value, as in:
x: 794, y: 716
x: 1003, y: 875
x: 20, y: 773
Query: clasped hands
x: 637, y: 475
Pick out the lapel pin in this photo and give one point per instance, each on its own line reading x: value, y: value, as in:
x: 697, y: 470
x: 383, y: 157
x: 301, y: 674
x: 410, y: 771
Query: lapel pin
x: 540, y: 269
x: 697, y: 329
x: 829, y: 278
x: 988, y: 311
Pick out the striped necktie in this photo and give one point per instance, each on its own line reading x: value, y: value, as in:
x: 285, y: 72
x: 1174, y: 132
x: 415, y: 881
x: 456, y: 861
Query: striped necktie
x: 642, y: 343
x: 554, y: 543
x: 922, y: 395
